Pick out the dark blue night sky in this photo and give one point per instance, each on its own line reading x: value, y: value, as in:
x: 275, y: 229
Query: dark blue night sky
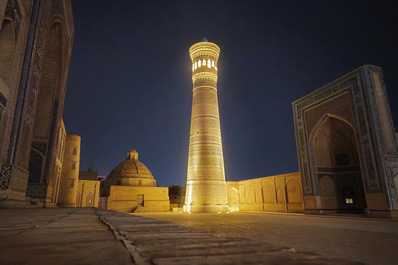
x: 130, y: 86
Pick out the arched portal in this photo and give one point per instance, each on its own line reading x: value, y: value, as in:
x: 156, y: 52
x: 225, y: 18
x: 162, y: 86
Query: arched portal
x: 47, y: 118
x: 7, y: 57
x: 90, y: 200
x: 337, y: 166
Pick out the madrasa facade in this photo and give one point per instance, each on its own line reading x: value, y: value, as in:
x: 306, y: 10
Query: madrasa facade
x: 346, y: 142
x: 347, y: 154
x: 35, y: 48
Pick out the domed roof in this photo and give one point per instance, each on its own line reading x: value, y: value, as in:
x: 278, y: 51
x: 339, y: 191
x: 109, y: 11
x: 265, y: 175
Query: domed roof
x: 131, y: 168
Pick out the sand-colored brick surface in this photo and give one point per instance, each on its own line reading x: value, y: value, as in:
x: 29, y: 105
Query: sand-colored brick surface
x: 206, y: 188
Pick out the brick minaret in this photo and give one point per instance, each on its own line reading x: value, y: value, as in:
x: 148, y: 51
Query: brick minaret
x: 206, y: 189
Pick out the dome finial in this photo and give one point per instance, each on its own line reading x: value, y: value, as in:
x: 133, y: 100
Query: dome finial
x: 132, y: 155
x: 205, y: 39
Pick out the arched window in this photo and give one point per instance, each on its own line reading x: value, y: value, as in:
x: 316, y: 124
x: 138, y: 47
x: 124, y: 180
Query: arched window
x: 7, y: 50
x: 212, y: 63
x: 196, y: 65
x: 204, y: 62
x: 208, y: 63
x: 199, y: 63
x: 35, y: 166
x: 348, y: 194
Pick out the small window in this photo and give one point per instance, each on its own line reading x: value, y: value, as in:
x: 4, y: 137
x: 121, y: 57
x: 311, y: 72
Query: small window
x: 73, y: 165
x: 193, y: 67
x: 199, y: 63
x: 140, y: 199
x: 196, y: 65
x: 74, y: 152
x: 348, y: 194
x: 212, y: 63
x: 71, y: 183
x: 204, y: 62
x: 208, y: 64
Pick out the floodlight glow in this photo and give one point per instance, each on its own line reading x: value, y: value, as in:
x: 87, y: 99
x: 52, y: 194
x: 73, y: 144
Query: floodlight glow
x: 206, y: 189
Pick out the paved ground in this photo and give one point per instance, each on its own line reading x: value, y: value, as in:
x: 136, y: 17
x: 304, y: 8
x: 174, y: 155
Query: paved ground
x: 93, y: 236
x: 363, y: 240
x: 57, y: 236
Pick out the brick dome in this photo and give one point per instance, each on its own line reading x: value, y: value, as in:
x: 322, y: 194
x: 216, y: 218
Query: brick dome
x: 131, y: 168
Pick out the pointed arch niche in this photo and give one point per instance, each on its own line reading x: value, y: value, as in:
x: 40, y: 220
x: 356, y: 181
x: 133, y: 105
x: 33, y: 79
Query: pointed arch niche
x: 7, y: 53
x: 7, y: 57
x: 334, y: 154
x: 45, y: 127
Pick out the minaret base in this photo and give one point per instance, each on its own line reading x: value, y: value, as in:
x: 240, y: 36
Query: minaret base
x: 206, y: 208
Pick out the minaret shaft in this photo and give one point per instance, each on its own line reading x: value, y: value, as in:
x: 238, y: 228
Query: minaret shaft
x: 206, y: 188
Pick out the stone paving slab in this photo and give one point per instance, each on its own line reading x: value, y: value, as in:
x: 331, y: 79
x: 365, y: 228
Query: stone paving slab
x: 93, y: 236
x: 103, y: 252
x: 250, y: 258
x: 58, y: 236
x: 150, y: 241
x: 364, y: 240
x: 149, y: 227
x: 40, y: 238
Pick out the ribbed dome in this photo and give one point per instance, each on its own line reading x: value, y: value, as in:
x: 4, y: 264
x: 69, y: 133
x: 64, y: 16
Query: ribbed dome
x: 131, y: 168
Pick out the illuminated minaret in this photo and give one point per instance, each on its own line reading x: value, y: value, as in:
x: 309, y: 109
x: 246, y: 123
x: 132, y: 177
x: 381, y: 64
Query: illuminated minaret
x: 206, y: 190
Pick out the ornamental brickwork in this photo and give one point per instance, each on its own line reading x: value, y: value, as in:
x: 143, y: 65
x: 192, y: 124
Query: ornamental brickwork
x: 35, y: 48
x: 206, y: 189
x: 347, y: 151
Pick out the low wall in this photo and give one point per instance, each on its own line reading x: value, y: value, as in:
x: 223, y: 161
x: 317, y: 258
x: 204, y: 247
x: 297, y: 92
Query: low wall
x: 280, y: 193
x: 87, y: 193
x: 128, y: 199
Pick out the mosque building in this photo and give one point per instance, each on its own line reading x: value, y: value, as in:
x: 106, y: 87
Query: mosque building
x: 131, y: 187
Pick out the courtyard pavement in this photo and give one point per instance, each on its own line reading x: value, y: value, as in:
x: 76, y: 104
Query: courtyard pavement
x: 363, y: 240
x: 57, y: 236
x: 94, y: 236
